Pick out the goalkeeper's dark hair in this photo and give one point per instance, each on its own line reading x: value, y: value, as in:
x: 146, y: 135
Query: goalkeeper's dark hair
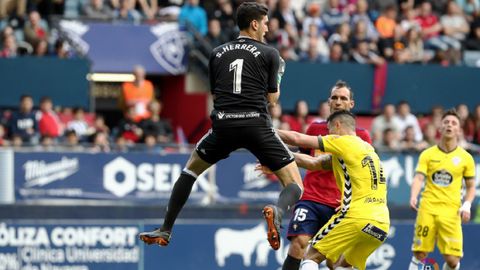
x: 342, y: 84
x: 451, y: 112
x: 249, y: 11
x: 343, y: 116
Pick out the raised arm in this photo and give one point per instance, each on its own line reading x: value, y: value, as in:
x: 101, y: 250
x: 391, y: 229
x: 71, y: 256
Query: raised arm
x: 299, y: 139
x: 319, y: 163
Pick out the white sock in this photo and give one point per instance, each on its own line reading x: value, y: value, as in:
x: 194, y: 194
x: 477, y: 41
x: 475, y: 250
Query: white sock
x: 414, y: 263
x: 446, y: 267
x: 308, y: 265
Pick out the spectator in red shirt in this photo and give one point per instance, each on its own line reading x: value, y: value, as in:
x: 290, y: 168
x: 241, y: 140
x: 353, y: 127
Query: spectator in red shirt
x: 48, y: 122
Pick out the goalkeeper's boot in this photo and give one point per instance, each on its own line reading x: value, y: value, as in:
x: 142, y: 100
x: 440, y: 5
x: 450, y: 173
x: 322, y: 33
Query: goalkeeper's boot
x: 272, y: 216
x: 157, y: 236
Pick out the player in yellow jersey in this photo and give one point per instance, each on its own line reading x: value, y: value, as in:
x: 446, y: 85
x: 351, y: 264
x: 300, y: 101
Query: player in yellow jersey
x: 363, y: 221
x: 440, y: 213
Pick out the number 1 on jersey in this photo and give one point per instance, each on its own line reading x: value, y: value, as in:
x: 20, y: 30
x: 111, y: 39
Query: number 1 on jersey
x: 237, y: 67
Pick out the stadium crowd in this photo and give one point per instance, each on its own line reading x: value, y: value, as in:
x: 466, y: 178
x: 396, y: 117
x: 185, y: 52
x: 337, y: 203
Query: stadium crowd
x: 52, y: 128
x: 319, y: 31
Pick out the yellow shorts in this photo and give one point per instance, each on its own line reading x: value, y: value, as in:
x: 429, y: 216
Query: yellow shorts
x: 446, y: 230
x: 354, y: 238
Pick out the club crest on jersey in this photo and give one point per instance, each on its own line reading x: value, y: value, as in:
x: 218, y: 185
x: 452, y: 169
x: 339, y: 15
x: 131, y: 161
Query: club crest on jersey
x: 442, y: 178
x: 456, y: 160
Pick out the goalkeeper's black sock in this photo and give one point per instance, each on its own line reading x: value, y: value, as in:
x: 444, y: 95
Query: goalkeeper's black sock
x: 180, y: 193
x: 288, y: 197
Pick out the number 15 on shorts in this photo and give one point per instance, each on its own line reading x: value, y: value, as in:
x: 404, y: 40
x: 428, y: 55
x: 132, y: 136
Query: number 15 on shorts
x: 300, y: 214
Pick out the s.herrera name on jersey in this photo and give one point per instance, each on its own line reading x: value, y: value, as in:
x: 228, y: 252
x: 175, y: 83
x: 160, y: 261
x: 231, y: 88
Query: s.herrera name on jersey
x: 230, y: 47
x: 40, y: 173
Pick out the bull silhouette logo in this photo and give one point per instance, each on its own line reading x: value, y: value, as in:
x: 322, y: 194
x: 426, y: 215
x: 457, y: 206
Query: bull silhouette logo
x: 169, y: 49
x: 245, y: 243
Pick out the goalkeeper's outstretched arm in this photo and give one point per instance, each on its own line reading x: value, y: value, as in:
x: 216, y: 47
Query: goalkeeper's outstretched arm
x: 299, y: 139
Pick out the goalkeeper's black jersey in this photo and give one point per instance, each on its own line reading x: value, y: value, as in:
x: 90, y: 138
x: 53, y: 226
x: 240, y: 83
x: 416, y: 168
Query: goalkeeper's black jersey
x: 241, y: 73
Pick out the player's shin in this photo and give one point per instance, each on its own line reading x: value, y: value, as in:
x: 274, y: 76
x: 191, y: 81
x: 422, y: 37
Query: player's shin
x: 308, y: 265
x: 180, y: 193
x: 288, y: 197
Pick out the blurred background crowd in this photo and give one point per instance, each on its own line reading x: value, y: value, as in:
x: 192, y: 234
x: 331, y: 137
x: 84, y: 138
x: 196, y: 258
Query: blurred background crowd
x: 363, y: 31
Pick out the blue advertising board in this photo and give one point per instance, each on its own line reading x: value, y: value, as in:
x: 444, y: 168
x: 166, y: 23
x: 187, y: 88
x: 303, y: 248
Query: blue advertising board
x: 147, y: 178
x: 160, y: 48
x: 69, y: 246
x: 238, y: 245
x: 196, y: 244
x: 136, y: 177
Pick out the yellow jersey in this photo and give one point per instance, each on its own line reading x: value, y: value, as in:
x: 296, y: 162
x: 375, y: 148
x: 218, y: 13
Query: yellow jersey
x: 359, y: 176
x: 444, y: 173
